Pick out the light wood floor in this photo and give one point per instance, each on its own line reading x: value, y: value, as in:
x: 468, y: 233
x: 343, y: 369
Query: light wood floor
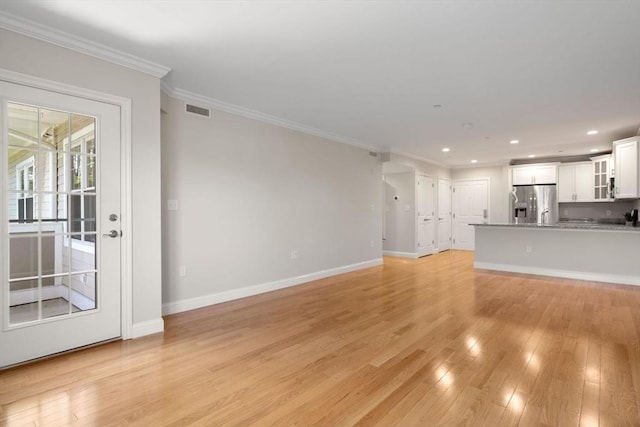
x: 416, y: 342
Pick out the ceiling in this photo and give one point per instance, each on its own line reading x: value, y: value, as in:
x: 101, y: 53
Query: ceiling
x: 404, y: 76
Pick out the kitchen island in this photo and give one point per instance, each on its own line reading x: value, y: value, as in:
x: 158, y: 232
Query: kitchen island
x: 586, y: 251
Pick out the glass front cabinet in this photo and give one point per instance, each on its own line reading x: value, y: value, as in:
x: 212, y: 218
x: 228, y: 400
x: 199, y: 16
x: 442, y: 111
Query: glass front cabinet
x: 601, y: 175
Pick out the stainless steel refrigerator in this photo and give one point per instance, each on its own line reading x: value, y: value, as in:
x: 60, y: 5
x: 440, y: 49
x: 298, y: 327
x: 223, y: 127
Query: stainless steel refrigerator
x: 534, y: 204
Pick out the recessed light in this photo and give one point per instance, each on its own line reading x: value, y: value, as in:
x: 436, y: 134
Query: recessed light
x: 474, y: 161
x: 514, y: 141
x: 592, y: 132
x: 531, y: 156
x: 446, y: 149
x: 594, y: 150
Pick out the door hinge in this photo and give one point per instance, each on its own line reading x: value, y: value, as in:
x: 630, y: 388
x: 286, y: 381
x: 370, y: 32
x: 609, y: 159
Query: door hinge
x: 454, y: 240
x: 454, y: 216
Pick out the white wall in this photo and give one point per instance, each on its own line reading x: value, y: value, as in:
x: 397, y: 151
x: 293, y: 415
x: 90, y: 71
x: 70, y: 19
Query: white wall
x: 250, y: 193
x: 607, y: 256
x: 400, y: 219
x: 498, y: 190
x: 30, y: 56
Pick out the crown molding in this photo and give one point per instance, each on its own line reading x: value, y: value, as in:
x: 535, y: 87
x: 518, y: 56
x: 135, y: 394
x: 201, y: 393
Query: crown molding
x: 420, y: 159
x: 50, y: 35
x: 205, y: 101
x: 480, y: 165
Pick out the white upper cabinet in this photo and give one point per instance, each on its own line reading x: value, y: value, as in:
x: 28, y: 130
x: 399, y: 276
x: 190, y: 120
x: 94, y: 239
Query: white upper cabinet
x: 625, y: 153
x: 534, y: 174
x: 575, y: 182
x: 601, y: 174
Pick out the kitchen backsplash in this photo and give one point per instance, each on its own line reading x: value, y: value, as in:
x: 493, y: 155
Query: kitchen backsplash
x: 596, y: 211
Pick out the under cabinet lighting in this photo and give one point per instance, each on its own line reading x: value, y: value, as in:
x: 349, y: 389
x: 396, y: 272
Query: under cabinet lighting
x: 531, y: 156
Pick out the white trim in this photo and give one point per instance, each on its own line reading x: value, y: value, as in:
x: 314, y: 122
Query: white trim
x: 126, y: 323
x: 566, y: 274
x: 480, y: 165
x: 412, y: 255
x: 205, y: 101
x: 247, y: 291
x: 126, y: 221
x: 414, y: 157
x: 38, y: 31
x: 148, y: 327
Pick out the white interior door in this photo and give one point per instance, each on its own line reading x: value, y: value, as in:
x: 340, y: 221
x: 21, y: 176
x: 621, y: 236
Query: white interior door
x: 60, y: 247
x: 470, y: 206
x: 444, y: 214
x: 426, y: 224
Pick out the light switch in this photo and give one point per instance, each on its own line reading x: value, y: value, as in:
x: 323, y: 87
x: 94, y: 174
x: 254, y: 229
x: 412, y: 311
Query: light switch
x: 172, y: 205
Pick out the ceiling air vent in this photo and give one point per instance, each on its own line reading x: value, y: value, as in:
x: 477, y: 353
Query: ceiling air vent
x: 194, y: 109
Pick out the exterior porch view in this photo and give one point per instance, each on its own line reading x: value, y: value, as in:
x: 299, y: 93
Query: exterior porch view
x: 51, y: 208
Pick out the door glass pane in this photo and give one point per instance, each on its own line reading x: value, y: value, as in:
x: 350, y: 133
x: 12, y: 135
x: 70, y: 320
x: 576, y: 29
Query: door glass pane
x: 23, y: 256
x: 22, y: 125
x: 83, y: 288
x: 52, y: 220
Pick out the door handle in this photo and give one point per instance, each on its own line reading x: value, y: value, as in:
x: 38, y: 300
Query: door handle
x: 113, y: 234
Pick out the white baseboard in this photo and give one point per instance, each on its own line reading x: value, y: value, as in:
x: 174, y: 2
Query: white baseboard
x: 412, y: 255
x: 566, y: 274
x: 247, y: 291
x: 147, y: 327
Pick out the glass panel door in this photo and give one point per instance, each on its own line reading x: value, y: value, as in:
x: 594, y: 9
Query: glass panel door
x: 52, y: 207
x: 60, y: 181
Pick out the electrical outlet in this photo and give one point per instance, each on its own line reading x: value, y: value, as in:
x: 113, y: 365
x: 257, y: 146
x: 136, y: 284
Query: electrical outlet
x: 528, y: 249
x: 172, y: 205
x: 182, y: 271
x: 608, y: 213
x: 294, y: 254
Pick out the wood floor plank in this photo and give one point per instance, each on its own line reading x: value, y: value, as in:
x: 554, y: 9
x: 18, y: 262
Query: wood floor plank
x: 411, y: 343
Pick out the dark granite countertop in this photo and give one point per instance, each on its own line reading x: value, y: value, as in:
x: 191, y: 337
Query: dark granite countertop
x: 569, y: 225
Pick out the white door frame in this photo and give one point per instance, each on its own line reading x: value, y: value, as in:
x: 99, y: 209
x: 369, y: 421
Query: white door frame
x: 126, y: 278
